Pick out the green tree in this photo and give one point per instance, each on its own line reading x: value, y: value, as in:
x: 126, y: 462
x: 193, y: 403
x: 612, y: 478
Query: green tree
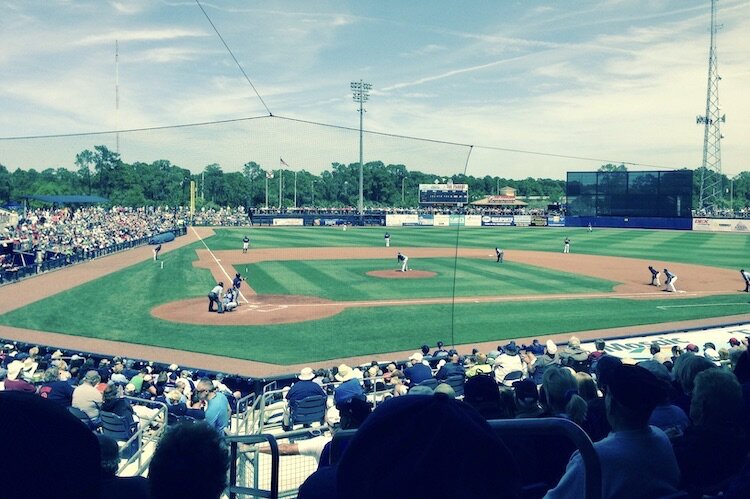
x: 609, y: 167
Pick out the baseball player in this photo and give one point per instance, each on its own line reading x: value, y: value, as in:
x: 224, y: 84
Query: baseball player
x: 590, y: 228
x: 236, y: 283
x: 214, y: 296
x: 157, y: 249
x: 746, y: 277
x: 500, y: 254
x: 654, y: 276
x: 566, y: 245
x: 403, y: 260
x: 670, y: 280
x: 245, y: 244
x: 387, y: 238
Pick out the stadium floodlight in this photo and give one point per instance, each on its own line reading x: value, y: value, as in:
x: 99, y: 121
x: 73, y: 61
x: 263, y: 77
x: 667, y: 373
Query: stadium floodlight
x: 360, y: 94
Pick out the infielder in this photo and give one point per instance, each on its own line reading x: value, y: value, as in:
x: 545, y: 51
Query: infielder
x: 500, y: 254
x: 387, y: 238
x: 566, y: 245
x: 670, y: 280
x: 245, y: 244
x: 403, y: 260
x: 654, y: 276
x: 746, y: 277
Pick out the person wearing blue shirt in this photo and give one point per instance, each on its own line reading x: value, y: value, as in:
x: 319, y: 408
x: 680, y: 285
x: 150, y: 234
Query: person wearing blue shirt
x: 300, y: 390
x: 418, y: 372
x: 215, y: 403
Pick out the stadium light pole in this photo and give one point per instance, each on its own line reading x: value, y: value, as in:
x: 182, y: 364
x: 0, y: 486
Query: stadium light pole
x: 360, y: 93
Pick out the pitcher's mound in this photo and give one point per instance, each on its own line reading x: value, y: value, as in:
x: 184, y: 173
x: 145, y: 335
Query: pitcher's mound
x: 397, y: 274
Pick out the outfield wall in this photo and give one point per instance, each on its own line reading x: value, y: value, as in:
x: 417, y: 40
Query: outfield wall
x: 438, y: 220
x: 631, y: 222
x: 721, y: 224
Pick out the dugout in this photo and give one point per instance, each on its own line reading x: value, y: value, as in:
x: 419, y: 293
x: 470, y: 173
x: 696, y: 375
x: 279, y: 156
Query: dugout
x: 635, y: 199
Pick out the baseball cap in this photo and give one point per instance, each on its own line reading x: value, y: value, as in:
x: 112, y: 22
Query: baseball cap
x: 734, y: 342
x: 526, y: 390
x: 636, y: 388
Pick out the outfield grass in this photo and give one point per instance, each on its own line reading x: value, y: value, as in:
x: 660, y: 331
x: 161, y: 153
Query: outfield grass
x: 728, y: 250
x: 117, y: 306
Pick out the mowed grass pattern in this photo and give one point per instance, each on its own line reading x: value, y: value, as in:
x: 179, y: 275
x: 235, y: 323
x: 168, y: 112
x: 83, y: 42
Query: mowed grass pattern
x: 348, y: 280
x: 728, y: 250
x: 117, y: 306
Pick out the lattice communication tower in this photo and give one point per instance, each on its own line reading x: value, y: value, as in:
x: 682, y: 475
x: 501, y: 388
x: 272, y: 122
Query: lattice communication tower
x: 711, y: 192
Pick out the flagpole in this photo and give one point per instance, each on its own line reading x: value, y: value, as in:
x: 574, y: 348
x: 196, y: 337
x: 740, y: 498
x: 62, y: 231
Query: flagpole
x: 266, y: 190
x: 281, y: 175
x: 295, y: 189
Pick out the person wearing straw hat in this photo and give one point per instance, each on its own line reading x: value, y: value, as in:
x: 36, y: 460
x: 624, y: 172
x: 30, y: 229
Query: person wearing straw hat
x: 349, y: 387
x: 301, y: 389
x: 14, y: 382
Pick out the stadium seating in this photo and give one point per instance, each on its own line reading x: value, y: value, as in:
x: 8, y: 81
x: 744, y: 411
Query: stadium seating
x: 121, y: 430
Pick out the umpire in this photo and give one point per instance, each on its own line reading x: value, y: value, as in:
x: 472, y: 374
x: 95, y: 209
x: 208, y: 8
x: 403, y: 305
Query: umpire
x: 214, y: 296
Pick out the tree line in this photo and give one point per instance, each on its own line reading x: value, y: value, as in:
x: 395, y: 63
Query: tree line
x: 102, y: 172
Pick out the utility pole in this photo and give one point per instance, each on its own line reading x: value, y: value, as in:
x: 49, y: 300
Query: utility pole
x: 711, y: 193
x: 117, y: 96
x: 360, y: 93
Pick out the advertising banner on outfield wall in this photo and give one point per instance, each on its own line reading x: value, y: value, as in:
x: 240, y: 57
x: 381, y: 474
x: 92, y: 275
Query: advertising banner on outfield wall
x: 289, y: 221
x: 538, y: 221
x: 522, y: 220
x: 556, y: 221
x: 440, y: 220
x: 637, y: 347
x: 473, y: 220
x: 455, y: 220
x: 427, y: 219
x: 496, y: 220
x: 397, y: 220
x: 721, y: 224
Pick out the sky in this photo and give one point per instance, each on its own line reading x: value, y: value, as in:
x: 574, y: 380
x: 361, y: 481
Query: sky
x: 538, y: 88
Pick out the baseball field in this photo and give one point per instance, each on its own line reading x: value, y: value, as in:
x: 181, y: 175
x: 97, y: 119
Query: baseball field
x: 317, y: 294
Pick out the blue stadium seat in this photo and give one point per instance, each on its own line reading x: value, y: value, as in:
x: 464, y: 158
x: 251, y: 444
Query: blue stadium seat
x: 309, y: 410
x: 120, y: 429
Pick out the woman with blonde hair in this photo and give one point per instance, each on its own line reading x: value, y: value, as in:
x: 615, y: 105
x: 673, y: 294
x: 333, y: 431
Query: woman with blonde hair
x: 561, y: 392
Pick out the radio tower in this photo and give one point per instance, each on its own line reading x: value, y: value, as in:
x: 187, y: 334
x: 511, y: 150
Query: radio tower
x: 711, y: 194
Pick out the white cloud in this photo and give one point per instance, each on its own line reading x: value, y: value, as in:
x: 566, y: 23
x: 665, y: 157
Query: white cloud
x: 141, y: 35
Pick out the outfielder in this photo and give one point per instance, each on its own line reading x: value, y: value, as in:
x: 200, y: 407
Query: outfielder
x: 670, y: 280
x: 566, y: 245
x: 500, y: 254
x: 746, y: 277
x: 387, y: 238
x: 245, y: 244
x: 403, y: 260
x: 157, y: 249
x: 654, y: 276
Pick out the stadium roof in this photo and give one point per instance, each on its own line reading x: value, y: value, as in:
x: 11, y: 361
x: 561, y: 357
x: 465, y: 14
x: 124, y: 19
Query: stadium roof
x: 69, y: 199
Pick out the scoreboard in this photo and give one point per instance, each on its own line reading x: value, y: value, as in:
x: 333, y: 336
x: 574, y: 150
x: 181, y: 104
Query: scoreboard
x: 450, y: 194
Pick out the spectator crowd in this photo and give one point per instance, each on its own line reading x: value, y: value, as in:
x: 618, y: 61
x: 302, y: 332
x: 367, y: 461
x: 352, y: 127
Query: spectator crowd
x: 675, y: 425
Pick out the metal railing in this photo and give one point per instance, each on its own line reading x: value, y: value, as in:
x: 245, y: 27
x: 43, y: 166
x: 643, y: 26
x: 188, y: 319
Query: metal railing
x: 150, y: 430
